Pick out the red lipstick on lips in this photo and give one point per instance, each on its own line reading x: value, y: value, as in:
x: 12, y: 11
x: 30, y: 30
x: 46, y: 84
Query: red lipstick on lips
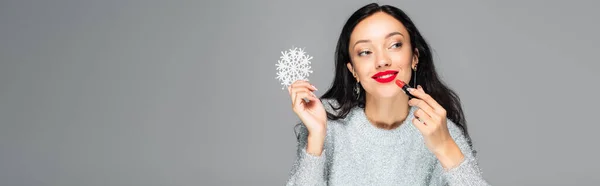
x: 385, y: 76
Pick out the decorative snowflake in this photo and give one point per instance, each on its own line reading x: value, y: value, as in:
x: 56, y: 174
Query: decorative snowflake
x: 293, y: 65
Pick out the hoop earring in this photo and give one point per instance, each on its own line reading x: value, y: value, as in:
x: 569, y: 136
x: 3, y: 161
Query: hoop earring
x: 357, y: 90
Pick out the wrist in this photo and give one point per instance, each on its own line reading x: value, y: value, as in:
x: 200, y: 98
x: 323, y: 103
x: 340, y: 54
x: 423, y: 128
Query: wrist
x: 315, y: 144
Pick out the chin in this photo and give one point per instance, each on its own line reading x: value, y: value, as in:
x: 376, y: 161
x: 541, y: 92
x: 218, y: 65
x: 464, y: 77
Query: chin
x: 388, y: 92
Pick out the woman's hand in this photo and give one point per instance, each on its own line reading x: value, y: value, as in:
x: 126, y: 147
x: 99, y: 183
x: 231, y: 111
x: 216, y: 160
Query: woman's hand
x: 311, y: 113
x: 430, y: 119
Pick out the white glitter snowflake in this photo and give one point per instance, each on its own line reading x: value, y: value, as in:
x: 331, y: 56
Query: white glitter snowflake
x: 293, y: 65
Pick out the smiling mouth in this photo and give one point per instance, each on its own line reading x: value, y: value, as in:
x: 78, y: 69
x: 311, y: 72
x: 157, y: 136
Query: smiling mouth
x: 386, y: 76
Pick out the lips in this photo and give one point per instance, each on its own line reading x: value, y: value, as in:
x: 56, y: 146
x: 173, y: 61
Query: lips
x: 385, y: 76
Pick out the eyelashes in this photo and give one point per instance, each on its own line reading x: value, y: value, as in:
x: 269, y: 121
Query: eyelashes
x: 397, y: 45
x: 367, y: 52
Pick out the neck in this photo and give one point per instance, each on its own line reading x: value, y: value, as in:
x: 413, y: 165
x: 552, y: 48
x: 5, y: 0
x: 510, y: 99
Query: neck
x: 387, y: 113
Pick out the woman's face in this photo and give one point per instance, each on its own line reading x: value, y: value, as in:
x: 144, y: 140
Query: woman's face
x: 380, y: 43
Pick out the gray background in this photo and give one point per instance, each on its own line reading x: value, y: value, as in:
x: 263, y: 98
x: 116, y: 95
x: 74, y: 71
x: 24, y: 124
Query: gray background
x: 123, y: 92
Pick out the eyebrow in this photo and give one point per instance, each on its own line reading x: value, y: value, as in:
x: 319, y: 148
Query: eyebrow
x: 366, y: 40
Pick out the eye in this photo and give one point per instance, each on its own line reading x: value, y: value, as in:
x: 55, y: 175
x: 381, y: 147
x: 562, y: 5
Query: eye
x: 364, y: 52
x: 396, y: 45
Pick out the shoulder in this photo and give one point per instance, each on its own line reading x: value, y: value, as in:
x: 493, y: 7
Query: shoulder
x: 333, y: 107
x: 330, y: 105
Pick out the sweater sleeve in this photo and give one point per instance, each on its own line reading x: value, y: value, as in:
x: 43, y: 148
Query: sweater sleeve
x: 308, y: 169
x: 467, y: 172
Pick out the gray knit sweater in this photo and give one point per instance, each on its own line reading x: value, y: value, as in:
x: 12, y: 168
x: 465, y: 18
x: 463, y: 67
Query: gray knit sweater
x: 357, y: 153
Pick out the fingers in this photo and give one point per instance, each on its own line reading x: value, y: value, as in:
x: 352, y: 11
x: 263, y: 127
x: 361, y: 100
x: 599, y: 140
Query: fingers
x: 423, y: 117
x: 300, y: 95
x: 299, y: 98
x: 425, y: 124
x: 420, y: 125
x: 423, y: 107
x: 435, y: 107
x: 300, y: 90
x: 300, y: 85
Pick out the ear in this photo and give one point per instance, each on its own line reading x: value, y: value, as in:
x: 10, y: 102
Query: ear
x: 415, y: 60
x: 351, y: 69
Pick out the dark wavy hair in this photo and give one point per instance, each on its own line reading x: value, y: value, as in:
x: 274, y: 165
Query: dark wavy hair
x: 342, y: 88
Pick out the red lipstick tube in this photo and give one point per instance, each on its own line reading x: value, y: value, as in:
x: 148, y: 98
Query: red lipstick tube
x: 404, y: 87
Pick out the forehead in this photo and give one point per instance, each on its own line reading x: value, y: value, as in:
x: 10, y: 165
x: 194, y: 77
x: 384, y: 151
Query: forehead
x: 376, y: 27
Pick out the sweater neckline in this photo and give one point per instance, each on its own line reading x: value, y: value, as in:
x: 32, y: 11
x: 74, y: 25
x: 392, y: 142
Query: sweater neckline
x: 380, y: 135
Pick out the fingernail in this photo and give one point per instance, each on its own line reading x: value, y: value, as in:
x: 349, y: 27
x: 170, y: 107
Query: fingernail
x: 410, y: 89
x: 314, y: 87
x: 419, y: 86
x: 313, y: 94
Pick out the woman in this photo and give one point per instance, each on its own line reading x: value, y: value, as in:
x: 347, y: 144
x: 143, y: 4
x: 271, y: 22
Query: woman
x: 365, y: 130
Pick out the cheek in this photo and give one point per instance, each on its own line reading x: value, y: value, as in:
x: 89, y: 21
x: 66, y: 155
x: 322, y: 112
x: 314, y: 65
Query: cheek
x: 363, y: 75
x: 362, y: 69
x: 402, y: 60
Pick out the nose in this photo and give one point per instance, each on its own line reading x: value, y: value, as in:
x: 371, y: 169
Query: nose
x: 382, y: 60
